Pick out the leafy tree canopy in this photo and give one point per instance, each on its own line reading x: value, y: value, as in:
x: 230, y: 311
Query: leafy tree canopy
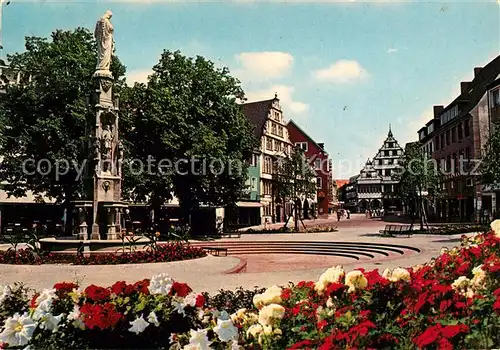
x: 490, y: 166
x: 187, y: 118
x: 45, y: 116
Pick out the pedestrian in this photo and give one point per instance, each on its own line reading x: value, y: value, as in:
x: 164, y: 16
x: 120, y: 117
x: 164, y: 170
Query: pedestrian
x: 338, y: 215
x: 348, y: 214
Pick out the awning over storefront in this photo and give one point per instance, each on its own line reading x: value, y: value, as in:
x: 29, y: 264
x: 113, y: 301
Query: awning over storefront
x: 249, y: 204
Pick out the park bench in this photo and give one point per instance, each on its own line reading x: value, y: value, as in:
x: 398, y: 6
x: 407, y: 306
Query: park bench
x: 393, y: 230
x: 215, y: 250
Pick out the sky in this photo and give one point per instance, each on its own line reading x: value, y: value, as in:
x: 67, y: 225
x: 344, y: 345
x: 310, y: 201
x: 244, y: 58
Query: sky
x: 344, y: 71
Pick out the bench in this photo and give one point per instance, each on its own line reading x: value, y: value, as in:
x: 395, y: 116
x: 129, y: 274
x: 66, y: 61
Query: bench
x: 392, y: 230
x: 215, y: 250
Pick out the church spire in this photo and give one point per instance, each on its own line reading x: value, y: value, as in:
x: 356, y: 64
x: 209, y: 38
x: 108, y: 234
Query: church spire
x: 390, y: 131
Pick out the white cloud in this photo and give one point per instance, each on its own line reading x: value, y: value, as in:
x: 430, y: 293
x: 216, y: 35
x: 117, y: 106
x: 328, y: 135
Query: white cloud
x: 285, y: 95
x: 138, y: 76
x: 392, y: 50
x: 342, y: 71
x: 263, y: 66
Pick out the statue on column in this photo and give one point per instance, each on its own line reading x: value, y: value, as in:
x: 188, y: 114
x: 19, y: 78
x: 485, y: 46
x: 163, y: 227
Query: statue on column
x: 119, y: 157
x: 107, y: 139
x: 105, y: 44
x: 96, y: 154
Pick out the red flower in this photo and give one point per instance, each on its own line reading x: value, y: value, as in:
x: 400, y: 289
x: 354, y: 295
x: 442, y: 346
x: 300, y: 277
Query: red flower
x: 429, y: 336
x: 444, y: 344
x: 322, y: 324
x: 301, y: 345
x: 65, y: 287
x: 463, y: 269
x: 451, y: 331
x: 97, y: 293
x: 122, y: 288
x: 142, y: 286
x: 33, y: 300
x: 181, y: 289
x: 200, y: 300
x: 100, y: 316
x: 286, y: 293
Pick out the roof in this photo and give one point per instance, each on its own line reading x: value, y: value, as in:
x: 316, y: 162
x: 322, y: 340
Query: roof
x: 257, y: 113
x: 340, y: 183
x: 477, y: 87
x: 307, y: 136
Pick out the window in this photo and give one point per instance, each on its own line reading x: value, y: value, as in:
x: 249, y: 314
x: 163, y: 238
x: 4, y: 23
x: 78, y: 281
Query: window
x: 280, y: 131
x: 448, y: 137
x: 495, y: 98
x: 442, y: 141
x: 254, y: 160
x: 317, y: 164
x: 273, y: 128
x: 387, y: 172
x: 466, y: 128
x: 437, y: 142
x: 302, y: 145
x: 459, y: 131
x: 269, y: 144
x: 319, y: 183
x: 391, y: 161
x: 277, y: 116
x: 277, y: 145
x: 386, y: 153
x: 254, y: 184
x: 268, y: 166
x: 268, y: 189
x: 453, y: 135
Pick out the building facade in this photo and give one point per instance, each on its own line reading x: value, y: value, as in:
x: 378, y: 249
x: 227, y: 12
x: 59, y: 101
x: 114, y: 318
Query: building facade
x: 455, y: 137
x: 320, y: 161
x: 270, y: 128
x: 375, y: 187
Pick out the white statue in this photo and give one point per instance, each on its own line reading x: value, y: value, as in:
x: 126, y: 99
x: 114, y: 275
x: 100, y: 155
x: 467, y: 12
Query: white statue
x: 105, y: 44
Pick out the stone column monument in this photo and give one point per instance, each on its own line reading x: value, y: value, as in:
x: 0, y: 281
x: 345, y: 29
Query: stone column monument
x: 103, y: 171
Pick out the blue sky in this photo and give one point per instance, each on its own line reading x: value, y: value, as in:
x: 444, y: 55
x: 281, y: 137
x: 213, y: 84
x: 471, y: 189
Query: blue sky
x: 343, y: 70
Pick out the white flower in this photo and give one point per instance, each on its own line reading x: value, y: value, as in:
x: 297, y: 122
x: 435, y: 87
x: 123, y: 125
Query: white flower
x: 50, y: 322
x: 461, y: 283
x: 235, y: 346
x: 226, y: 330
x: 160, y: 284
x: 198, y: 340
x: 396, y: 275
x: 190, y: 300
x: 332, y: 275
x: 153, y: 319
x: 138, y: 325
x: 44, y: 303
x: 271, y: 296
x: 18, y: 330
x: 179, y: 307
x: 6, y: 292
x: 74, y: 316
x: 270, y: 313
x: 355, y: 280
x: 495, y: 226
x: 255, y: 330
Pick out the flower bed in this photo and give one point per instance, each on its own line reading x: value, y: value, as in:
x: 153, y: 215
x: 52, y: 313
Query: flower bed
x: 160, y: 253
x: 313, y: 229
x: 451, y: 302
x: 453, y: 229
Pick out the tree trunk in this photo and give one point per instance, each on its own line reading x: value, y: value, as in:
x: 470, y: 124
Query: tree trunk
x: 296, y: 218
x: 156, y: 204
x: 421, y: 212
x: 68, y: 207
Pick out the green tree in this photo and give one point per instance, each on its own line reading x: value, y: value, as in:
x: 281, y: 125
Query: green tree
x: 186, y: 119
x: 46, y: 115
x: 490, y: 166
x: 294, y: 178
x: 419, y: 177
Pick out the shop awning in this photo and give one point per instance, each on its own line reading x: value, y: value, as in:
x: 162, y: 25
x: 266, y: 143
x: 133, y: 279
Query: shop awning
x: 249, y: 204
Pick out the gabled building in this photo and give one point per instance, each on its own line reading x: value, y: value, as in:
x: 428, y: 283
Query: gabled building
x: 375, y: 186
x: 318, y: 158
x: 459, y: 131
x: 270, y: 127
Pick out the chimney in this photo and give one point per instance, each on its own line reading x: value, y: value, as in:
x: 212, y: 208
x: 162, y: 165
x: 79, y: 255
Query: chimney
x: 477, y: 70
x: 322, y: 146
x: 437, y: 110
x: 464, y: 87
